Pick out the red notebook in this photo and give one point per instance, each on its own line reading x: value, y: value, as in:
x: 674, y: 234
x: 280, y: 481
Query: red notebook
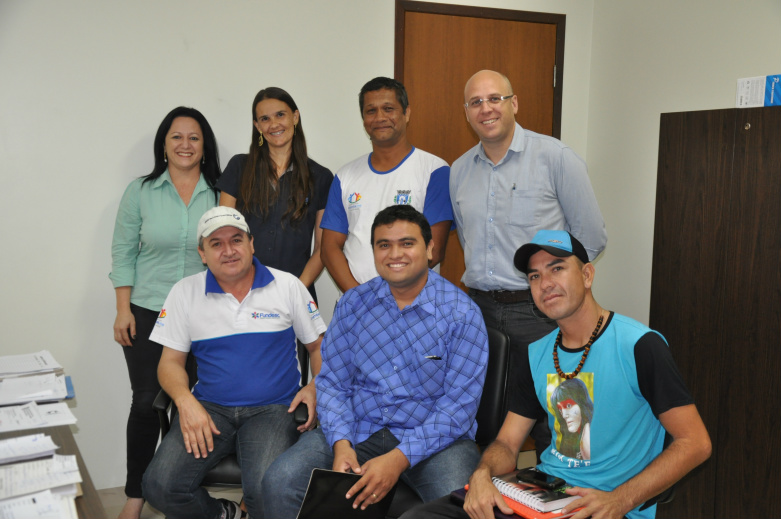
x: 523, y: 510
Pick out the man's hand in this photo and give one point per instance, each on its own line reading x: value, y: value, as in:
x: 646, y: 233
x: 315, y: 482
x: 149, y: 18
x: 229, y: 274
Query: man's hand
x: 379, y: 476
x: 345, y: 459
x: 483, y: 496
x: 597, y: 504
x: 306, y: 395
x: 197, y: 427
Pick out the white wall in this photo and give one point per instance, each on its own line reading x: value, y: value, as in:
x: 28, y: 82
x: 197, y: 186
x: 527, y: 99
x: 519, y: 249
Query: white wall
x: 650, y: 58
x: 85, y: 84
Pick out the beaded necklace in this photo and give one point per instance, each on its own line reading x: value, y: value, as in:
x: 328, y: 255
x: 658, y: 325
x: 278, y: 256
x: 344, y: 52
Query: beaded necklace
x: 556, y: 345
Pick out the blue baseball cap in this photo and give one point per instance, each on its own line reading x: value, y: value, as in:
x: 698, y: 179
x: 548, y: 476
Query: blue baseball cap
x: 559, y: 243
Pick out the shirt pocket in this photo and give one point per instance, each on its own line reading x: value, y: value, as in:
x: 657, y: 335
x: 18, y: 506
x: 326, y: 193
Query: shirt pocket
x: 523, y: 207
x: 431, y: 363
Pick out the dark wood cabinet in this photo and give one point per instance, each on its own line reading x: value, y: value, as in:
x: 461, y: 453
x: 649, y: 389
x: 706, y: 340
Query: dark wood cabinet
x: 716, y: 297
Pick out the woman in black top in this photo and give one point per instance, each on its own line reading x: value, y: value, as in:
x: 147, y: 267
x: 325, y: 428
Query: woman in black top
x: 279, y: 189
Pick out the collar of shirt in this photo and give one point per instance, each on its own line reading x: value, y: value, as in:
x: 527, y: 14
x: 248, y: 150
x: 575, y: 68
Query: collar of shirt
x: 394, y: 168
x: 166, y: 178
x: 516, y: 145
x: 262, y: 278
x: 425, y: 300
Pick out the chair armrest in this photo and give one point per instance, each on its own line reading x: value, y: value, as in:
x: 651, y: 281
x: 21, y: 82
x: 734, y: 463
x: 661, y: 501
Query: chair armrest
x: 161, y: 404
x: 301, y: 414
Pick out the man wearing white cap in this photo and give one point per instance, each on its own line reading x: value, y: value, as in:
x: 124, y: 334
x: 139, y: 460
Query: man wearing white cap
x: 240, y: 319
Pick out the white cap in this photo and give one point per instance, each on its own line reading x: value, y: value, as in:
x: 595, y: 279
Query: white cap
x: 219, y: 217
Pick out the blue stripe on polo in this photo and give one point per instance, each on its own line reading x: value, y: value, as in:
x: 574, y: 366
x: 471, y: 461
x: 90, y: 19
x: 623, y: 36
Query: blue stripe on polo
x: 225, y: 374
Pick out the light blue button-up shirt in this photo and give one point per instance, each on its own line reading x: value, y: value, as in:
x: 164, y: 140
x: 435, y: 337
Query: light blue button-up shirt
x: 155, y: 243
x: 540, y: 183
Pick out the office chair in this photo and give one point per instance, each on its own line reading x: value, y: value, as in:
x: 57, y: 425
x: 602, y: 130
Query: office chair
x: 227, y: 472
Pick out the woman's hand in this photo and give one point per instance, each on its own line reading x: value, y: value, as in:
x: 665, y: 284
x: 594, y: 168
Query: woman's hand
x: 125, y: 327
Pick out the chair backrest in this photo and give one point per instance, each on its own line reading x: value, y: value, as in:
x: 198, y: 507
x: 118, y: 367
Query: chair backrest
x: 493, y: 405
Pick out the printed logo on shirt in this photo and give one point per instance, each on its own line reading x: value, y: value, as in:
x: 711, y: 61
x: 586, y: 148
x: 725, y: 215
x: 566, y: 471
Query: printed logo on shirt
x: 162, y: 314
x: 261, y: 315
x: 314, y: 313
x: 403, y: 197
x: 353, y: 200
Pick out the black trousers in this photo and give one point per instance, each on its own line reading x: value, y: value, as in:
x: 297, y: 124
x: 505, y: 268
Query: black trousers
x: 143, y: 426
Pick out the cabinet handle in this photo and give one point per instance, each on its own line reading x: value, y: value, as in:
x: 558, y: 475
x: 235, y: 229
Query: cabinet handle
x: 747, y: 126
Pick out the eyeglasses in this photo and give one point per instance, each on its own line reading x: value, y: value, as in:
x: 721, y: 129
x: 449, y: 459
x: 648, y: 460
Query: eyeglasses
x: 493, y: 101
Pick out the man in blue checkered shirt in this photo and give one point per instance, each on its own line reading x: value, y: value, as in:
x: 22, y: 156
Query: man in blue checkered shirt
x: 403, y: 367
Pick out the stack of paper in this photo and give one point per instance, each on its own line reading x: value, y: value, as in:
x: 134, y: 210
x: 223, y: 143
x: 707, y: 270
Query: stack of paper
x: 41, y: 505
x: 26, y: 448
x: 58, y: 474
x: 37, y: 388
x: 28, y: 363
x: 32, y: 415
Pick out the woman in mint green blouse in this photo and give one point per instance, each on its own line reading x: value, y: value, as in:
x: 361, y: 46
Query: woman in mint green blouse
x: 154, y: 246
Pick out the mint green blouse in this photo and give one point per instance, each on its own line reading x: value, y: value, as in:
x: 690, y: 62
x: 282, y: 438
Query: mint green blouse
x: 155, y: 243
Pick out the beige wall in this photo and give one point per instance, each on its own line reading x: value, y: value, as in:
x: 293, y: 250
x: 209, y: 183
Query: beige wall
x: 650, y: 58
x: 85, y: 84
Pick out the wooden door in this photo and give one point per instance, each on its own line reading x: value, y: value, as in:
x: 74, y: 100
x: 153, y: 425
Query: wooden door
x: 440, y: 46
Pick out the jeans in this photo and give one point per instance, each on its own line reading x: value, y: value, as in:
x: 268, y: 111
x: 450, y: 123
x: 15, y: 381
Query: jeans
x: 257, y: 435
x: 143, y: 425
x: 524, y: 324
x: 442, y: 508
x: 288, y: 476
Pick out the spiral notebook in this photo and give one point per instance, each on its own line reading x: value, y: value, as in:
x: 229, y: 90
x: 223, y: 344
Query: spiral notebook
x: 519, y: 510
x: 540, y: 499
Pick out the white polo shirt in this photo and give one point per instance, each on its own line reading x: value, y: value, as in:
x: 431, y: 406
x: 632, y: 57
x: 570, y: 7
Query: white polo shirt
x: 246, y: 351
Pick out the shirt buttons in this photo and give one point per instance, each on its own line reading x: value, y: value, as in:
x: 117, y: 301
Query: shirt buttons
x: 395, y: 368
x: 385, y: 410
x: 490, y: 219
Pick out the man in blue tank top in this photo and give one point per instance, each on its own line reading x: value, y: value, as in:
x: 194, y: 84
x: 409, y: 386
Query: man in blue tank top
x: 609, y: 390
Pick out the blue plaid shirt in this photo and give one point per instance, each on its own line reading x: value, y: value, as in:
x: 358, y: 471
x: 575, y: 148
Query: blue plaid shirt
x: 418, y: 372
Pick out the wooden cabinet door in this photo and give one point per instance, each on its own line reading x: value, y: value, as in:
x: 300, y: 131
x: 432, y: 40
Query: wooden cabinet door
x: 749, y: 428
x: 716, y: 297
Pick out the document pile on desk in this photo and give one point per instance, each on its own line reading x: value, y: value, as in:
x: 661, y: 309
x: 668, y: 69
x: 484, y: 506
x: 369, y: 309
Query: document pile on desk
x: 43, y: 488
x: 33, y: 381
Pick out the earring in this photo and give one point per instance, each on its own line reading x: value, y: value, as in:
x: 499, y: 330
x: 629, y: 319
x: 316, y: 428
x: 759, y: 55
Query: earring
x: 203, y: 159
x: 294, y: 130
x: 260, y: 141
x: 165, y: 156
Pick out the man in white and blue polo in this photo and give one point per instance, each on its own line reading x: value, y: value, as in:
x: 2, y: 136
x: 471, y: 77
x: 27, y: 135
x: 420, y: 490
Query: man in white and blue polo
x: 240, y: 320
x: 394, y: 173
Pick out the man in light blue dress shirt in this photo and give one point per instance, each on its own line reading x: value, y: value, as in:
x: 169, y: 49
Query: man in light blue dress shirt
x: 513, y: 183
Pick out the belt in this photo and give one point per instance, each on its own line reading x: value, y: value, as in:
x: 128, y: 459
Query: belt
x: 505, y: 296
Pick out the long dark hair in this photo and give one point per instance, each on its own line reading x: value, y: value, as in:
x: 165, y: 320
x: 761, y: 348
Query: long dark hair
x: 210, y: 168
x: 259, y: 179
